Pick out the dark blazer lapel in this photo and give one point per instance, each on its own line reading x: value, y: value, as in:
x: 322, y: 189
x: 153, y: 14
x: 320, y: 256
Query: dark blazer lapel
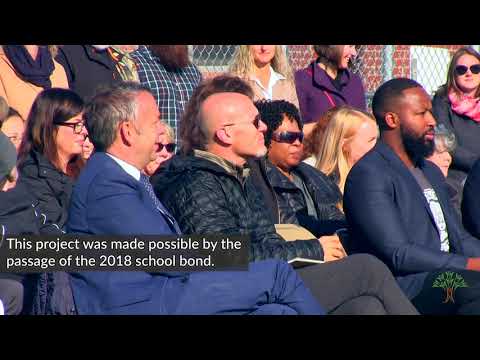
x: 147, y: 200
x: 99, y: 57
x: 403, y: 171
x: 121, y: 172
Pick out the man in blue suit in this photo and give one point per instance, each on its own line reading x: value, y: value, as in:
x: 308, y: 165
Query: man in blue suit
x: 398, y: 208
x: 112, y: 197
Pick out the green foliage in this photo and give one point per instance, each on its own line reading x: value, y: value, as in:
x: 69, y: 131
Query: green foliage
x: 449, y: 279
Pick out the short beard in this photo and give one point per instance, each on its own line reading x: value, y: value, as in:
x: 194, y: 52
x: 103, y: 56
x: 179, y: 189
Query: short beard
x: 173, y: 57
x: 261, y: 153
x: 417, y: 148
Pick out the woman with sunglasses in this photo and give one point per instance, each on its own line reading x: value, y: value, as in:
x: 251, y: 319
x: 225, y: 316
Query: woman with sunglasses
x: 457, y: 105
x: 50, y: 148
x: 165, y: 151
x: 303, y: 195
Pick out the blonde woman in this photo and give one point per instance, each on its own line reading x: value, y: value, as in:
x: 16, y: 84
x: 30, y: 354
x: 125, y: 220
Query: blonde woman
x: 165, y: 151
x: 349, y: 135
x: 266, y: 69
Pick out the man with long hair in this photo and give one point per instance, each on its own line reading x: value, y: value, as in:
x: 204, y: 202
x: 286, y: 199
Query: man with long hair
x: 168, y: 72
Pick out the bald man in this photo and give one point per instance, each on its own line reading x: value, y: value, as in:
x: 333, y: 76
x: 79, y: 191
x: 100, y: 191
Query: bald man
x: 205, y: 189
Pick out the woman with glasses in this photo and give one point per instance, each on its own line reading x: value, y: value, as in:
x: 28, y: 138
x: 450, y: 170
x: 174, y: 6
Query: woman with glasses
x: 457, y: 105
x: 48, y: 154
x: 165, y: 150
x: 327, y: 82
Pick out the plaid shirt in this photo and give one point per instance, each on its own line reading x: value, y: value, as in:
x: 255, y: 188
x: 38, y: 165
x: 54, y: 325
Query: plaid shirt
x: 172, y: 89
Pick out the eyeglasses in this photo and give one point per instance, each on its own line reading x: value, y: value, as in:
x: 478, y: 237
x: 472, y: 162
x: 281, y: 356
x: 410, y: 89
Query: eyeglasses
x: 77, y: 127
x: 462, y: 69
x: 169, y: 147
x: 256, y: 122
x: 15, y: 139
x: 288, y: 137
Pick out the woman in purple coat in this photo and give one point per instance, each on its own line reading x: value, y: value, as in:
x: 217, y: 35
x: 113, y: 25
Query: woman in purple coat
x: 327, y: 82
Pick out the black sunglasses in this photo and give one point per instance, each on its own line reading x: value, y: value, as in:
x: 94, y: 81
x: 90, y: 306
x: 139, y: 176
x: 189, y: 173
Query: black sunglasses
x: 170, y: 147
x: 462, y: 69
x: 255, y: 122
x: 288, y: 136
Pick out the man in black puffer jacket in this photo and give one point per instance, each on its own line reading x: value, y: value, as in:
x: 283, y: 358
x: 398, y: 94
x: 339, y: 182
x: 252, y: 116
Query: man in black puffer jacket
x: 205, y: 190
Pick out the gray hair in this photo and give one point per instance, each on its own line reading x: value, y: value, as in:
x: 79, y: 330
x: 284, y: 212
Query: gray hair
x: 108, y: 109
x: 445, y: 137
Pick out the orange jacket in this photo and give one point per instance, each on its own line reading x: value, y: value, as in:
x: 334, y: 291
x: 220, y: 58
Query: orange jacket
x: 20, y: 94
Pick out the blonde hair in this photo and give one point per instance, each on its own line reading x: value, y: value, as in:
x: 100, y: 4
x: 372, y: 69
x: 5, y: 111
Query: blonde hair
x: 169, y: 130
x: 53, y: 49
x: 242, y: 63
x: 341, y: 129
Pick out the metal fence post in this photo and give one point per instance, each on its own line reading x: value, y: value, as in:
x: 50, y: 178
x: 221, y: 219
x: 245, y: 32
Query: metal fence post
x: 387, y: 68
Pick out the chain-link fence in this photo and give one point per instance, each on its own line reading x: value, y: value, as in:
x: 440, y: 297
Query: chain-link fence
x: 374, y: 63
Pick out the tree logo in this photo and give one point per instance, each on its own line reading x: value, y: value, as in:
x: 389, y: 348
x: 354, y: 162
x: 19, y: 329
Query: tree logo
x: 449, y: 281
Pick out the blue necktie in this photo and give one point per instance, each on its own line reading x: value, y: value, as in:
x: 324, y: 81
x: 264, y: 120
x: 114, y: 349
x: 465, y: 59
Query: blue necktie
x: 169, y: 218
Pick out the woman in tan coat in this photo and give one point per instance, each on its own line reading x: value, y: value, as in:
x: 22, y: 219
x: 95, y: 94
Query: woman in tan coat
x: 267, y: 70
x: 26, y: 70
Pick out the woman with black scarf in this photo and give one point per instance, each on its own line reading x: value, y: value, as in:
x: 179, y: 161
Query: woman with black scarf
x: 26, y: 70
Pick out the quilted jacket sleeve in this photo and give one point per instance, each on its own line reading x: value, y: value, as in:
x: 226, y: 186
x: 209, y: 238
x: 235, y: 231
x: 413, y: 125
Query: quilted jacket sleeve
x: 202, y: 207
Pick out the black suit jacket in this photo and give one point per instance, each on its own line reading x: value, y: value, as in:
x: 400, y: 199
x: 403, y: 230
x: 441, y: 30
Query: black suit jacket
x: 87, y: 69
x: 390, y: 218
x: 471, y: 203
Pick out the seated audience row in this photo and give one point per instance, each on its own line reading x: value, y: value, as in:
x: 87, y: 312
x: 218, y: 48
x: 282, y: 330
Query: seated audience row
x: 398, y: 207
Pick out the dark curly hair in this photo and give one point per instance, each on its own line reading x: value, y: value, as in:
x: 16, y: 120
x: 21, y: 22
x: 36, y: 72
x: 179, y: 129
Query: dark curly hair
x: 272, y: 113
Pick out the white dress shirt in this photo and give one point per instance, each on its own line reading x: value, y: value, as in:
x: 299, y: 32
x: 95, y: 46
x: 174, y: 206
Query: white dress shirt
x: 129, y: 169
x: 274, y: 77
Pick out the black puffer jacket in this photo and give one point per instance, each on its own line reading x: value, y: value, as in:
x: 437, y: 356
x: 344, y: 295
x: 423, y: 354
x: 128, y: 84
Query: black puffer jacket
x: 205, y: 199
x: 51, y: 187
x: 17, y: 216
x: 291, y: 206
x: 324, y: 192
x: 45, y: 293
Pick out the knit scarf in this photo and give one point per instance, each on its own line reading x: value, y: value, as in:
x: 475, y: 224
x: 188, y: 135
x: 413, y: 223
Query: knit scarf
x: 465, y: 105
x: 36, y: 72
